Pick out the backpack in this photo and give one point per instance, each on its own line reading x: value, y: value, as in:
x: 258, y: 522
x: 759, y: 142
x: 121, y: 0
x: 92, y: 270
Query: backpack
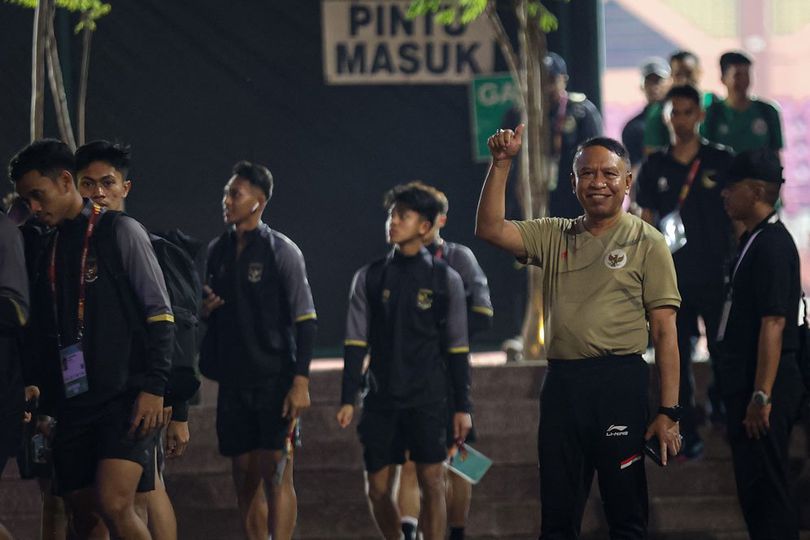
x: 185, y: 291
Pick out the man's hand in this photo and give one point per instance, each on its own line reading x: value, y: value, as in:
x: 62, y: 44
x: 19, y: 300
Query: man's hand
x: 344, y: 415
x: 31, y: 394
x: 462, y: 424
x: 167, y: 416
x: 668, y: 433
x: 210, y: 302
x: 297, y: 398
x: 505, y: 143
x: 147, y: 413
x: 177, y: 437
x: 757, y: 420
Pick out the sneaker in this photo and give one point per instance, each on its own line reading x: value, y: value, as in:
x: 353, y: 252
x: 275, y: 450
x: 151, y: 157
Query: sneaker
x: 692, y: 449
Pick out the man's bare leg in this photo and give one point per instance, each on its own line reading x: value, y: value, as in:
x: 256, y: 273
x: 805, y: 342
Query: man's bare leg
x: 283, y: 511
x: 84, y: 521
x: 116, y: 482
x: 162, y: 521
x: 250, y: 496
x: 381, y: 488
x: 434, y: 512
x: 409, y: 498
x: 4, y: 534
x: 459, y: 494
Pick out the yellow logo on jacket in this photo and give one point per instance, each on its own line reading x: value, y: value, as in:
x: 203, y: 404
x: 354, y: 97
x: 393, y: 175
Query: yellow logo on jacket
x: 424, y: 299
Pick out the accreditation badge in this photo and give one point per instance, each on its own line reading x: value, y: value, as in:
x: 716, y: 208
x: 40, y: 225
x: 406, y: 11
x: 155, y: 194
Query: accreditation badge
x: 74, y: 370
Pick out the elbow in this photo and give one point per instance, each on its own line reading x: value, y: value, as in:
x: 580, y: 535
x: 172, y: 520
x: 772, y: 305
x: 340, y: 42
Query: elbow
x: 484, y: 231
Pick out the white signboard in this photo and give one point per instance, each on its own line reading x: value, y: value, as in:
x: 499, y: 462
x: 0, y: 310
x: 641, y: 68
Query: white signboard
x: 374, y: 42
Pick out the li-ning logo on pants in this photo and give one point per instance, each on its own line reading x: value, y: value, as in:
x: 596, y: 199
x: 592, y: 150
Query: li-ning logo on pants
x: 616, y: 431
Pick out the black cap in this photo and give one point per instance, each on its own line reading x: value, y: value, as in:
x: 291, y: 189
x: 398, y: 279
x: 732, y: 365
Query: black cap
x: 555, y: 64
x: 762, y: 164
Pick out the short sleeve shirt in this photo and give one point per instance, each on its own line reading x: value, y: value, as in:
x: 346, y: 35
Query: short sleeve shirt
x: 597, y: 290
x: 758, y: 126
x: 707, y: 226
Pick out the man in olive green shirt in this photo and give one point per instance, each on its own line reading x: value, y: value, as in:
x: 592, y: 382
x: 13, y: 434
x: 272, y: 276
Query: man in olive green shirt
x: 605, y: 275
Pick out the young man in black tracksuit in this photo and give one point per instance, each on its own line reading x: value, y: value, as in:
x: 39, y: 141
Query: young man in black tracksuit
x: 102, y: 175
x: 479, y: 318
x: 409, y: 309
x: 108, y: 331
x: 258, y: 345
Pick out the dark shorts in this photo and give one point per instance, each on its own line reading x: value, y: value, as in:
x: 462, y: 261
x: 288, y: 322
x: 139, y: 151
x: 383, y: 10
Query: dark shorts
x: 250, y: 419
x: 386, y: 436
x: 147, y: 481
x: 83, y: 438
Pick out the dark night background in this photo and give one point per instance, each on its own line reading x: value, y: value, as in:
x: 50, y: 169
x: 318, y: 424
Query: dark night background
x: 197, y: 86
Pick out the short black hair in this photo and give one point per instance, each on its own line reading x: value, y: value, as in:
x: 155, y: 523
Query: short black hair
x: 733, y: 58
x: 257, y: 175
x: 117, y: 155
x: 606, y: 142
x: 683, y: 55
x: 683, y: 91
x: 47, y: 156
x: 417, y: 197
x: 436, y: 192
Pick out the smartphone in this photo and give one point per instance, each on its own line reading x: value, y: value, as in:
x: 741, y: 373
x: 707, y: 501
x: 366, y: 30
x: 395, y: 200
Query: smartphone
x: 653, y: 450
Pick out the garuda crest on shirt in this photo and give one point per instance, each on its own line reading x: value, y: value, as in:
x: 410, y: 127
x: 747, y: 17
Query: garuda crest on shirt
x: 616, y: 259
x: 255, y: 271
x: 424, y: 299
x: 91, y: 269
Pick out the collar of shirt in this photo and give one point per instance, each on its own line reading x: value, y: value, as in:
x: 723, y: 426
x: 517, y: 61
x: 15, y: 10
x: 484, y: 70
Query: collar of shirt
x: 249, y: 235
x: 761, y: 225
x: 397, y: 257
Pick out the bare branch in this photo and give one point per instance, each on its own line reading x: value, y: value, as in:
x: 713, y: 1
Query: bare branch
x: 58, y: 84
x: 505, y: 45
x: 38, y: 70
x: 81, y: 105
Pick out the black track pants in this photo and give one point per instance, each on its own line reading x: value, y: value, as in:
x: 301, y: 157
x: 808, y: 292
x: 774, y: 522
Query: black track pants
x: 593, y: 416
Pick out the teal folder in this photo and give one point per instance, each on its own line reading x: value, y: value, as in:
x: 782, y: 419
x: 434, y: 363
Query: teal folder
x: 470, y: 464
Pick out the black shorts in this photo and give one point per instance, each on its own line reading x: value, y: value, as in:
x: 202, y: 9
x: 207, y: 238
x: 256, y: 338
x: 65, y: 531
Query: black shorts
x: 83, y: 438
x: 250, y: 419
x: 386, y: 436
x: 147, y: 481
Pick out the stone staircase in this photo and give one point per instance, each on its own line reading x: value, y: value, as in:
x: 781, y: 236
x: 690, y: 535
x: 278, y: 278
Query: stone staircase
x: 693, y: 501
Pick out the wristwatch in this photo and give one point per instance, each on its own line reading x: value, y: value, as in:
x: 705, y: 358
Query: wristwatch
x: 761, y: 398
x: 674, y: 413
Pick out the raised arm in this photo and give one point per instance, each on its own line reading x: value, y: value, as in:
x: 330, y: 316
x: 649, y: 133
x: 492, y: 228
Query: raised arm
x: 490, y: 223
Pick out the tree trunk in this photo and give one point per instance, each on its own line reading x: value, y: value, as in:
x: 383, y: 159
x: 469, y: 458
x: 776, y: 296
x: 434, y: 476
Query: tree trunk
x: 81, y: 106
x: 37, y: 119
x: 57, y: 84
x: 534, y: 169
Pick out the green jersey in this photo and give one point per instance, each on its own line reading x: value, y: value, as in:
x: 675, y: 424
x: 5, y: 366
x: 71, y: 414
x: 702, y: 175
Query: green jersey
x: 757, y: 126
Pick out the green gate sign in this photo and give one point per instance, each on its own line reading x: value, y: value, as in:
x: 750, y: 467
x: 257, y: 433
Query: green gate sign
x: 491, y: 96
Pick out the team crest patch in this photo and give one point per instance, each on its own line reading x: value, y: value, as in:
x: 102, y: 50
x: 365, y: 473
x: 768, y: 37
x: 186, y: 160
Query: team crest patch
x: 663, y: 184
x: 255, y: 271
x: 759, y: 127
x: 91, y: 272
x: 424, y: 299
x: 386, y: 294
x: 616, y: 259
x: 708, y: 183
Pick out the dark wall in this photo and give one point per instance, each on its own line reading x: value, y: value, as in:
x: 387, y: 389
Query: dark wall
x: 194, y: 86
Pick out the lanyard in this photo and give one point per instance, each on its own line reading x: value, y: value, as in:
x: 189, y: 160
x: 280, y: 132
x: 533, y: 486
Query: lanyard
x: 689, y: 181
x: 91, y: 225
x: 439, y: 252
x: 771, y: 220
